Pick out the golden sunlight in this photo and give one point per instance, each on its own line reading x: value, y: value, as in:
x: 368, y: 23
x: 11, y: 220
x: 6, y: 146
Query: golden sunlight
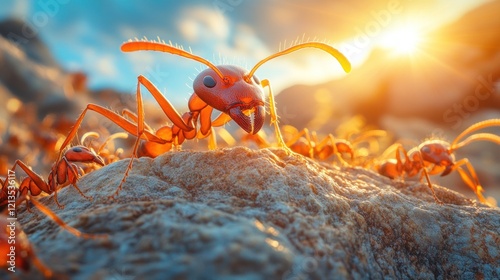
x: 402, y: 40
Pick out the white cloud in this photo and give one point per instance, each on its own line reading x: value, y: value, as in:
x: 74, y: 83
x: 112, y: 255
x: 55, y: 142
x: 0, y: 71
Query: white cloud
x: 106, y: 66
x: 18, y: 9
x: 199, y: 23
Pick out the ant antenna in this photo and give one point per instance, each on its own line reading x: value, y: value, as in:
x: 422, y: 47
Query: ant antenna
x: 476, y: 137
x: 132, y: 46
x: 346, y: 65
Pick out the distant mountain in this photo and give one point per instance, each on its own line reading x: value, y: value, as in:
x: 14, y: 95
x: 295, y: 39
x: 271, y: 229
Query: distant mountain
x: 29, y: 73
x: 27, y: 39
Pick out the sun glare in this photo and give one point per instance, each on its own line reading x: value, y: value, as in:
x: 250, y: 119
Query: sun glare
x: 403, y: 40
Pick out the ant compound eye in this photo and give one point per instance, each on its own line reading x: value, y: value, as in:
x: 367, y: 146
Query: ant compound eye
x: 77, y: 149
x: 256, y: 80
x: 209, y: 82
x: 426, y: 149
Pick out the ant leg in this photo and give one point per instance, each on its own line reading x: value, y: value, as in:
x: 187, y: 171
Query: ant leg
x: 310, y: 143
x: 396, y: 168
x: 221, y: 120
x: 336, y: 151
x: 477, y: 188
x: 438, y: 201
x: 297, y: 136
x: 274, y: 118
x: 473, y: 182
x: 127, y: 113
x: 304, y: 132
x: 212, y: 140
x: 167, y: 108
x: 36, y: 184
x: 205, y: 120
x: 57, y: 201
x: 368, y: 136
x: 140, y: 131
x: 47, y: 272
x: 165, y: 105
x: 112, y: 116
x: 27, y: 186
x: 73, y: 178
x: 134, y: 129
x: 389, y: 151
x: 37, y: 179
x: 205, y: 115
x: 28, y: 207
x: 61, y: 223
x: 407, y: 167
x: 227, y: 137
x: 426, y: 174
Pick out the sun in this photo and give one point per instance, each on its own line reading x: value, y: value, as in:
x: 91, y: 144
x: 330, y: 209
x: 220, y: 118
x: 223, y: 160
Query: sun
x: 401, y: 40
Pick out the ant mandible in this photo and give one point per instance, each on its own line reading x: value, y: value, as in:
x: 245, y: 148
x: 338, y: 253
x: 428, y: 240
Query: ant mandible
x: 234, y: 91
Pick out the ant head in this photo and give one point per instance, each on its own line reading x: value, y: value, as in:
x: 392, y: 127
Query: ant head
x: 226, y: 88
x: 231, y: 89
x: 234, y: 95
x: 82, y: 154
x: 436, y: 152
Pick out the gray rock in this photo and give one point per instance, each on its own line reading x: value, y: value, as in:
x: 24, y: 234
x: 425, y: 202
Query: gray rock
x: 245, y: 214
x: 28, y: 80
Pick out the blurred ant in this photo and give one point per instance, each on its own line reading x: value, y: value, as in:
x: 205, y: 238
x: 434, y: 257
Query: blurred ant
x: 234, y: 91
x: 63, y: 172
x: 106, y: 150
x: 436, y: 156
x: 306, y: 143
x: 23, y: 250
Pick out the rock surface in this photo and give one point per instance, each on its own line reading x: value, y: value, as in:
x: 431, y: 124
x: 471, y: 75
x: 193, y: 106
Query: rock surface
x: 246, y: 214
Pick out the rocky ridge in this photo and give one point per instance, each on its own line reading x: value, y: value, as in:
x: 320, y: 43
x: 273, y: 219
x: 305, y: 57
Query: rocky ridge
x: 263, y: 215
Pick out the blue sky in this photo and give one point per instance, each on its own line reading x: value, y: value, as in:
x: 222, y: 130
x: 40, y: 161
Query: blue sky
x: 86, y: 35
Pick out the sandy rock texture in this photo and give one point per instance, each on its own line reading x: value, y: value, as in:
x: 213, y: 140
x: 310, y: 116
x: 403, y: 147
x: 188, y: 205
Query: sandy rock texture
x: 246, y: 214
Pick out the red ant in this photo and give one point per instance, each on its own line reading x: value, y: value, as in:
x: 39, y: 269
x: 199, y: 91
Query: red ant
x: 436, y: 156
x: 234, y: 91
x: 306, y: 143
x: 106, y: 151
x: 63, y: 172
